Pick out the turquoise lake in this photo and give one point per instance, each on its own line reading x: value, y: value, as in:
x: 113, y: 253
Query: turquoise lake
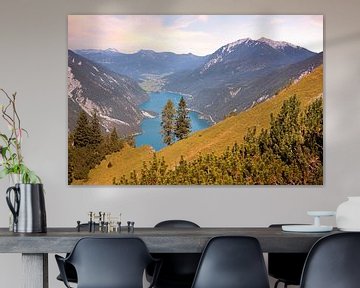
x: 151, y: 126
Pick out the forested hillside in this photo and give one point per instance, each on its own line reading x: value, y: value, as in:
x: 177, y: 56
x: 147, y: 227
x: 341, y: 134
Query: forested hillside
x: 235, y: 134
x: 289, y: 152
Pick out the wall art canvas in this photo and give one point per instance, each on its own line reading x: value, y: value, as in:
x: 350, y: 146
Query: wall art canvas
x: 195, y: 99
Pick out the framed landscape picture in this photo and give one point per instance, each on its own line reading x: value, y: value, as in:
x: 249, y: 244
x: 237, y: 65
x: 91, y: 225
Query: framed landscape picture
x: 195, y: 99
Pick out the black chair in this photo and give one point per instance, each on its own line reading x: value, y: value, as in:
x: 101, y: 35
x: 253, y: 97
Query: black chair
x: 69, y: 269
x: 232, y: 262
x: 108, y: 263
x: 333, y: 262
x: 286, y: 267
x: 178, y: 269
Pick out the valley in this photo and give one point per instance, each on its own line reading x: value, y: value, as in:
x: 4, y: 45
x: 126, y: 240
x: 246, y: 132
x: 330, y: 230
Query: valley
x: 214, y: 139
x: 153, y: 82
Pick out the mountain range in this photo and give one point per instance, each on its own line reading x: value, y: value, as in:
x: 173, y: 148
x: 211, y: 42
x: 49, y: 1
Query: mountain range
x: 232, y: 79
x: 242, y: 73
x: 114, y: 97
x: 138, y: 65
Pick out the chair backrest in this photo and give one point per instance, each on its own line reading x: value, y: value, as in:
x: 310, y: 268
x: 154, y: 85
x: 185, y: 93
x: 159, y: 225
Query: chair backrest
x: 333, y: 262
x: 110, y: 262
x: 178, y: 269
x: 232, y: 262
x: 176, y: 224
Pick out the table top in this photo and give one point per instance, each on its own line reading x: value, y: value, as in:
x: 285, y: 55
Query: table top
x: 158, y: 240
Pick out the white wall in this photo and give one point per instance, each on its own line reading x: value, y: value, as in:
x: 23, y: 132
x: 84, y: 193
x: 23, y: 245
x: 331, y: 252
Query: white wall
x: 33, y: 62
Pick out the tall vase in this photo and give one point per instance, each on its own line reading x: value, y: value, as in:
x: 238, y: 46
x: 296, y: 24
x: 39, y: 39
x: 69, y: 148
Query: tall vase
x: 348, y: 214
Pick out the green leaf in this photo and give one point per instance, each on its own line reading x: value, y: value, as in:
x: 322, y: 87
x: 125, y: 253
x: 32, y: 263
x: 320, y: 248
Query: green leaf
x: 28, y: 176
x: 33, y: 178
x: 15, y: 169
x: 4, y: 137
x: 26, y: 132
x: 3, y: 151
x: 13, y: 156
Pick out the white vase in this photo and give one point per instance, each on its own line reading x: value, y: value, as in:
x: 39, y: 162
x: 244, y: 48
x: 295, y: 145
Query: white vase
x: 348, y: 215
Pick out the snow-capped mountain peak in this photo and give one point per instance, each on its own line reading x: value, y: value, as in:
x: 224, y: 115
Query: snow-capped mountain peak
x: 224, y: 51
x: 92, y: 51
x: 238, y: 42
x: 265, y: 50
x: 276, y: 44
x: 112, y: 50
x: 228, y: 48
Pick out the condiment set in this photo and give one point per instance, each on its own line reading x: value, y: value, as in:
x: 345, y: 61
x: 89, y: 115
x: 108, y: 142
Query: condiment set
x: 104, y: 222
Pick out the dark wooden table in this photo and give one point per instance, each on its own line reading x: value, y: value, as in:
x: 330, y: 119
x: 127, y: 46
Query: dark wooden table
x: 35, y: 247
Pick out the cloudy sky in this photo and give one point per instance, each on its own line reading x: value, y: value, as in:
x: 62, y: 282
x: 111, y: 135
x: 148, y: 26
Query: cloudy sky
x: 197, y: 34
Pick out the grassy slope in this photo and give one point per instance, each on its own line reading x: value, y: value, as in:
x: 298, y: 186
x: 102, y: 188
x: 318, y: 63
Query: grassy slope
x: 214, y: 139
x: 218, y: 137
x: 123, y: 162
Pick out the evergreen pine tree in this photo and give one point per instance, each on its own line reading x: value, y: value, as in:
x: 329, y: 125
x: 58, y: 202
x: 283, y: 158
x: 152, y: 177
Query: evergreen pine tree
x: 114, y: 136
x: 130, y: 140
x: 114, y: 141
x: 167, y: 122
x: 82, y: 131
x: 183, y: 122
x: 82, y: 162
x: 313, y: 126
x: 70, y: 158
x: 95, y: 130
x: 285, y: 131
